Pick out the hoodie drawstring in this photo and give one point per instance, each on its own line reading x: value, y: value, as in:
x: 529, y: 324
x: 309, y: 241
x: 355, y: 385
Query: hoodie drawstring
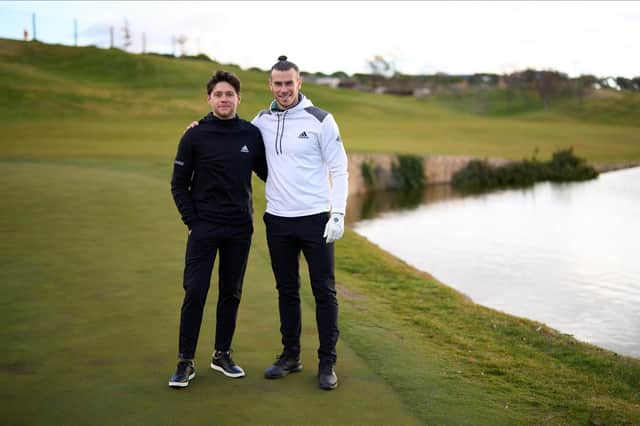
x: 280, y: 133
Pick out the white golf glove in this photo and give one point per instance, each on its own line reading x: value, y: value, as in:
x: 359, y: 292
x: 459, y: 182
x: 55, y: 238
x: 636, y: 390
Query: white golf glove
x: 334, y: 228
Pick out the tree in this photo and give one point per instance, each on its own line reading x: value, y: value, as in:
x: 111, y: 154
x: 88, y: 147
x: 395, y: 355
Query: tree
x: 181, y: 40
x: 548, y: 84
x: 381, y: 69
x: 126, y: 35
x: 627, y: 83
x: 339, y: 74
x: 582, y: 85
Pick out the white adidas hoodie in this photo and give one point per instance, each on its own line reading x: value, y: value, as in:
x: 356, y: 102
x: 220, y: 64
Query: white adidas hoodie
x: 306, y: 159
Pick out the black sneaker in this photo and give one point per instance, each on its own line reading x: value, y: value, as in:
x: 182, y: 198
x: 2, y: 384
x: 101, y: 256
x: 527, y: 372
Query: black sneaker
x: 283, y: 366
x: 327, y: 378
x: 221, y: 361
x: 183, y: 374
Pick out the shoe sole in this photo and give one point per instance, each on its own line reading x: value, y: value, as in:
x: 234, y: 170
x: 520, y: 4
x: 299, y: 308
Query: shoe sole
x: 286, y: 373
x: 182, y: 384
x: 328, y: 388
x: 223, y: 371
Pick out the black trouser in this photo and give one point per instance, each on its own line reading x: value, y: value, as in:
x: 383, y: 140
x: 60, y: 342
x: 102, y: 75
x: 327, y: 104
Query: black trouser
x: 205, y: 241
x: 287, y: 237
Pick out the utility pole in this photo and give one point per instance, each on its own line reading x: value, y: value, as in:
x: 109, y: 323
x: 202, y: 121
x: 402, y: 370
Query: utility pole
x: 33, y: 22
x: 111, y: 37
x: 75, y: 32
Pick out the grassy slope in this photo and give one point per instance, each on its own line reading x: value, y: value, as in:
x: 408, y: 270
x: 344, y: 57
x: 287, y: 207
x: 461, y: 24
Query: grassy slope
x: 85, y: 154
x: 82, y: 85
x: 598, y: 106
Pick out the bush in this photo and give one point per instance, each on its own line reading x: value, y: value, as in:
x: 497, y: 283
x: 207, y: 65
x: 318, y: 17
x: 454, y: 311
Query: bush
x: 368, y: 174
x: 563, y: 167
x: 477, y: 175
x: 408, y: 172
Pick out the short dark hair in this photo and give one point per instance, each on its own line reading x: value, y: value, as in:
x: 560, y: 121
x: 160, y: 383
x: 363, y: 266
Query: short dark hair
x: 222, y: 75
x: 284, y: 65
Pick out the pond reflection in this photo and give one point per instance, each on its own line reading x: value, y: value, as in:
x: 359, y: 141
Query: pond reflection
x: 370, y: 205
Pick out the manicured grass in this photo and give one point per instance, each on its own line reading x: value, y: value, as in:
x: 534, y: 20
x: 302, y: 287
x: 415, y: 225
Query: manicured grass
x: 91, y: 276
x: 92, y: 257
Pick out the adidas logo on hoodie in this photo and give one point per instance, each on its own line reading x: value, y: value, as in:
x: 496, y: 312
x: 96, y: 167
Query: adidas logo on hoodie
x: 303, y: 135
x: 244, y: 149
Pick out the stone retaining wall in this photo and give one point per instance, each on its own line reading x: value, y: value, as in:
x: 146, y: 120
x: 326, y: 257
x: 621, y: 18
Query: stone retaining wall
x: 437, y: 168
x: 610, y: 167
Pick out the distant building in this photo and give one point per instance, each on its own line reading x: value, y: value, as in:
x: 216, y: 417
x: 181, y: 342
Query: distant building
x: 459, y: 87
x: 350, y: 83
x: 421, y: 92
x: 328, y: 81
x: 611, y: 83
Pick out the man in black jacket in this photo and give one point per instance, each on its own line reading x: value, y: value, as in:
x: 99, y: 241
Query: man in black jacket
x: 211, y: 186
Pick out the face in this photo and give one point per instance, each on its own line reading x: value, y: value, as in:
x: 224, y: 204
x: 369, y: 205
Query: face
x: 223, y: 100
x: 285, y: 86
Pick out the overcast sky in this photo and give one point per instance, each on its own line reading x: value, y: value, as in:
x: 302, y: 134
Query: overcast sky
x: 574, y: 37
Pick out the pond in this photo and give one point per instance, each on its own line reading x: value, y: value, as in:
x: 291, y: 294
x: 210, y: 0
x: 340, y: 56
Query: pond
x: 567, y: 255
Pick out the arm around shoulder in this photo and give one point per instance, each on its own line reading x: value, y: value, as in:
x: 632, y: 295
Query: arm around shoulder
x: 260, y: 159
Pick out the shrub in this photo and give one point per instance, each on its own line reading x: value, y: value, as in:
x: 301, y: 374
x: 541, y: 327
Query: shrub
x: 367, y: 170
x: 408, y: 172
x: 563, y: 167
x: 476, y: 176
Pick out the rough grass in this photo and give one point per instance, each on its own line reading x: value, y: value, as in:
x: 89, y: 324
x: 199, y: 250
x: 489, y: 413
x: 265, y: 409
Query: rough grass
x: 513, y: 370
x: 605, y: 106
x: 91, y: 261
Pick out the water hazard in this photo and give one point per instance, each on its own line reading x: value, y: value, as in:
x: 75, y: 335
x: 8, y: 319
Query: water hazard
x: 567, y: 255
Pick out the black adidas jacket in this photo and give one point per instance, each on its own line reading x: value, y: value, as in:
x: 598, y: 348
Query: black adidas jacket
x: 212, y: 171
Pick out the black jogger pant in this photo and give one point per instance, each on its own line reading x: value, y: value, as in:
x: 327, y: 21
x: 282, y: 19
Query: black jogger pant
x: 206, y: 240
x: 287, y: 237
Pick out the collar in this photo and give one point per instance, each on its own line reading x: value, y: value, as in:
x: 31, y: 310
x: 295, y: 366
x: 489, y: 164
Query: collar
x: 274, y: 107
x: 226, y: 123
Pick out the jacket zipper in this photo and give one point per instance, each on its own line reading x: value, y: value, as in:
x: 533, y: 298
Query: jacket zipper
x: 280, y: 132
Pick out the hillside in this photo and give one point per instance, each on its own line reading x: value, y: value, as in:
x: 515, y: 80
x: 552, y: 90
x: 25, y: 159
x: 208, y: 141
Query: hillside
x: 83, y: 84
x: 604, y: 106
x: 92, y: 253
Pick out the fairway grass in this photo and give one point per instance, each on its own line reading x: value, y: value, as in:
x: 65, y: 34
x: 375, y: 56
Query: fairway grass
x: 91, y: 275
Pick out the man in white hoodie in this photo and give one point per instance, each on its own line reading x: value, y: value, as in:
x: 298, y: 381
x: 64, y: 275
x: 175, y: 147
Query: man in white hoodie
x: 306, y: 194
